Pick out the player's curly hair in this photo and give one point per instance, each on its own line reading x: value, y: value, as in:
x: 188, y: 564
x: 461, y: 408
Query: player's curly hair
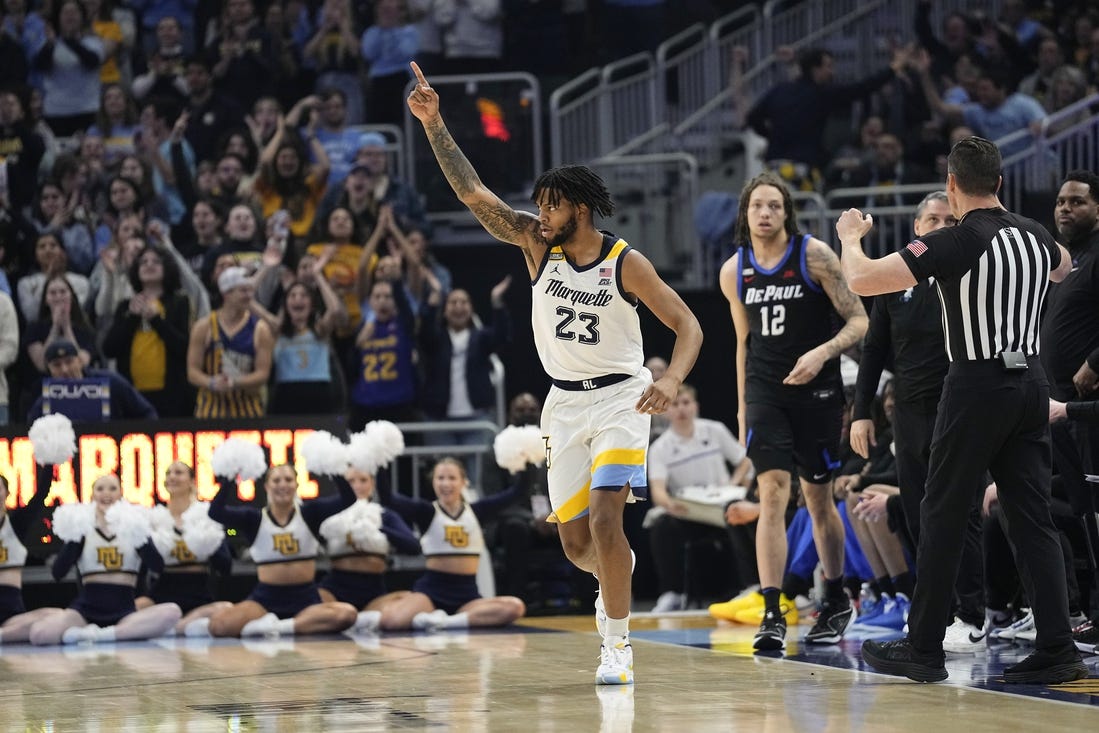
x: 741, y: 235
x: 577, y: 184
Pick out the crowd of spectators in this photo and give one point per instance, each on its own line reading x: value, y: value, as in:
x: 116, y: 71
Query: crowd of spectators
x: 978, y: 74
x: 148, y: 146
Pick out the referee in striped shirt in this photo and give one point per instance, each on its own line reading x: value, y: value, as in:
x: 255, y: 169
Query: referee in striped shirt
x: 992, y: 272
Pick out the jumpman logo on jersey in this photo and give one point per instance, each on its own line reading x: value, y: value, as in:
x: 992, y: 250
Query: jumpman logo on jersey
x: 555, y: 270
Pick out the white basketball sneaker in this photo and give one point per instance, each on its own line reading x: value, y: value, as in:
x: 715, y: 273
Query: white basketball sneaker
x: 615, y: 662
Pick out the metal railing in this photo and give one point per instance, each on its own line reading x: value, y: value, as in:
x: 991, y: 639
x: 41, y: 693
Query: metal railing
x: 1068, y: 140
x: 817, y: 214
x: 421, y: 455
x: 892, y: 222
x: 655, y: 196
x: 590, y: 118
x: 575, y: 113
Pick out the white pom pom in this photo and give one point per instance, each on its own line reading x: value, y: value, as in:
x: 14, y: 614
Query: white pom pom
x: 71, y: 522
x: 163, y: 530
x: 365, y: 532
x: 363, y: 453
x: 515, y: 447
x: 334, y: 528
x: 129, y: 522
x: 389, y: 438
x: 375, y: 447
x: 53, y: 439
x: 202, y: 534
x: 324, y: 453
x: 237, y: 457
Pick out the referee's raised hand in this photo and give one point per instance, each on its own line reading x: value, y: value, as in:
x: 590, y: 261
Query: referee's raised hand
x: 853, y: 224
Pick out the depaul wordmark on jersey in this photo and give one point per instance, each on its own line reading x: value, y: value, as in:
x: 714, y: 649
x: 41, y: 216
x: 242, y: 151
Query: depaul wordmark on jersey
x: 558, y: 289
x: 772, y: 293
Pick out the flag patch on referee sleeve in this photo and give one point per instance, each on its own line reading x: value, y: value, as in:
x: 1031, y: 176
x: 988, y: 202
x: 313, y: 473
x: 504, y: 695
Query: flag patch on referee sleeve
x: 916, y: 247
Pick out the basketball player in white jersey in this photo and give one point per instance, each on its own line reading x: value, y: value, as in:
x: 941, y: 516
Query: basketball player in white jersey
x: 596, y: 419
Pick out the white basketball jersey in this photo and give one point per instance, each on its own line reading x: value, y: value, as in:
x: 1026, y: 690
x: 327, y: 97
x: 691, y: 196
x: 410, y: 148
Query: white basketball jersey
x: 103, y: 554
x: 584, y: 324
x: 12, y: 552
x: 283, y: 544
x: 447, y: 535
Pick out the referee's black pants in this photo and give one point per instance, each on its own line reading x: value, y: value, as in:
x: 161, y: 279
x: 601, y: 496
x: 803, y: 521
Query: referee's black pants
x: 999, y: 420
x: 913, y: 427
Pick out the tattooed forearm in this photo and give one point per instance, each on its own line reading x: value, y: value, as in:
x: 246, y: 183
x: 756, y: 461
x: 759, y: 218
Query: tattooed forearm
x: 504, y: 222
x: 456, y: 167
x: 824, y: 267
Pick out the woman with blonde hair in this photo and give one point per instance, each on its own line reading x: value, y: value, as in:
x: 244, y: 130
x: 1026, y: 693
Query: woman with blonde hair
x: 283, y: 543
x: 106, y: 540
x: 193, y: 547
x: 446, y: 595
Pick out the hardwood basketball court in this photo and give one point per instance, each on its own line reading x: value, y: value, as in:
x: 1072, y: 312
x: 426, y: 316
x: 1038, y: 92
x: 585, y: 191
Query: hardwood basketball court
x: 692, y: 675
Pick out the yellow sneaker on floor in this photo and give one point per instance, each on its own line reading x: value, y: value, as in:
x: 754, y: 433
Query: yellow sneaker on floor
x: 754, y: 616
x: 728, y: 609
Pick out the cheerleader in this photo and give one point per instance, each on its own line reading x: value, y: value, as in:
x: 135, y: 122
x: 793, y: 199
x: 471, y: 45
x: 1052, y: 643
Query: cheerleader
x: 15, y: 620
x: 106, y: 541
x: 358, y: 541
x: 191, y: 545
x: 446, y: 596
x: 283, y: 544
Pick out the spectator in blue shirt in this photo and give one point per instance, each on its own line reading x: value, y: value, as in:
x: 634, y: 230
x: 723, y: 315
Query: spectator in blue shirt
x: 994, y: 115
x: 388, y: 46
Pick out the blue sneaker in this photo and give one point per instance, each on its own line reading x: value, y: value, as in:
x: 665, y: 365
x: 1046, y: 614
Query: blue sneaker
x: 894, y: 615
x: 871, y: 610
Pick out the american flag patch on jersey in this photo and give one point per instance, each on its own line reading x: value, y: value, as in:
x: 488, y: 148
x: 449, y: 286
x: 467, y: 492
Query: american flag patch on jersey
x: 916, y: 247
x: 605, y: 272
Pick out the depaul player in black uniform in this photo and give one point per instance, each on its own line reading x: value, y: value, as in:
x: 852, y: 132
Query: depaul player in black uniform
x: 794, y: 315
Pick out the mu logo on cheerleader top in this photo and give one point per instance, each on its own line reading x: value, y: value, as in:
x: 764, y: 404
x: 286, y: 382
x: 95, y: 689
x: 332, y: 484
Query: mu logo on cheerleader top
x: 109, y: 557
x: 772, y: 293
x: 285, y: 544
x: 456, y: 536
x: 182, y: 552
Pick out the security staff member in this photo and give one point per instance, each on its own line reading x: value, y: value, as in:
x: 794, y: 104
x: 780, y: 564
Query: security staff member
x: 908, y: 326
x: 992, y: 272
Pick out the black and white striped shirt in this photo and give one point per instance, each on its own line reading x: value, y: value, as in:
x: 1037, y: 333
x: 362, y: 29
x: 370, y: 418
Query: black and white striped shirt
x: 992, y: 273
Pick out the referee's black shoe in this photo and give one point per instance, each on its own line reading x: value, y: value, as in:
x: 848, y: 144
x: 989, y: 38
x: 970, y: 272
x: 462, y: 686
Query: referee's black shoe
x: 900, y: 657
x: 1046, y: 667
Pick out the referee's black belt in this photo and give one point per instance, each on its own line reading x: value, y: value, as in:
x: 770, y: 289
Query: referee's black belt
x: 585, y: 385
x: 990, y: 367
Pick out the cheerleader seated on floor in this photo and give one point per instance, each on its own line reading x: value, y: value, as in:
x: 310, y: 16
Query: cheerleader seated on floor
x: 284, y: 546
x: 193, y: 547
x: 106, y: 540
x: 53, y: 441
x: 446, y: 596
x: 359, y: 539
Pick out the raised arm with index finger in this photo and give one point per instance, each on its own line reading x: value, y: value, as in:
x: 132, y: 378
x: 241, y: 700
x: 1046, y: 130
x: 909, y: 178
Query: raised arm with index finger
x: 500, y: 220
